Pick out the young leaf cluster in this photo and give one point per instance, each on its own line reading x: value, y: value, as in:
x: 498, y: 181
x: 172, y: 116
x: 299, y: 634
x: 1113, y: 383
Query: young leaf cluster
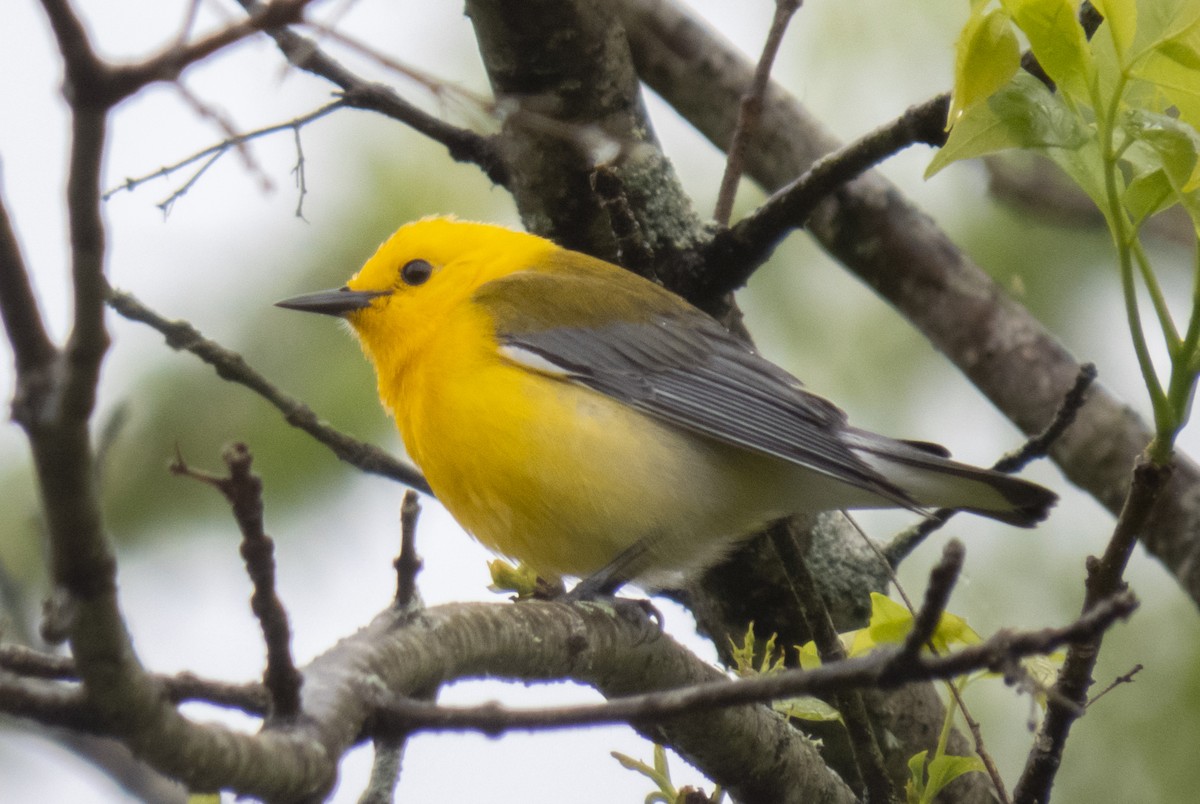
x: 1120, y: 117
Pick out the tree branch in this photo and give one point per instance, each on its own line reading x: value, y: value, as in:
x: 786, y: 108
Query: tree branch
x: 750, y: 108
x: 243, y: 489
x: 858, y: 720
x: 229, y: 365
x: 32, y: 347
x: 1104, y: 579
x: 734, y: 254
x: 463, y: 145
x: 1037, y: 446
x: 562, y: 76
x: 886, y: 668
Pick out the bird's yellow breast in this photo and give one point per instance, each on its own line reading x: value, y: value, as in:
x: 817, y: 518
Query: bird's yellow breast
x: 553, y: 473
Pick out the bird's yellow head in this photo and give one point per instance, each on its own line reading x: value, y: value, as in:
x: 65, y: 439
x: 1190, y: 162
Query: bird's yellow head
x: 421, y: 276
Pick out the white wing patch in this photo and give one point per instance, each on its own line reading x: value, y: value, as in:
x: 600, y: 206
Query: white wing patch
x: 534, y: 361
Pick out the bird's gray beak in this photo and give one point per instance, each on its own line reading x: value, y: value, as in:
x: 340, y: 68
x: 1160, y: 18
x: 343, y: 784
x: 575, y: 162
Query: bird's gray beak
x: 332, y: 302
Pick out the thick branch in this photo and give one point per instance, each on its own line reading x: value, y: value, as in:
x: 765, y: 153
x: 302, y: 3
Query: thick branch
x: 562, y: 75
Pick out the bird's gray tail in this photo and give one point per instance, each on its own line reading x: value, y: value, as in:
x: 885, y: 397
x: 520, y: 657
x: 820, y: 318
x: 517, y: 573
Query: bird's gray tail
x: 929, y: 477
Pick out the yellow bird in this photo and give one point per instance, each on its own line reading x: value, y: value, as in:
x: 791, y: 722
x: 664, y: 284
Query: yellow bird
x: 584, y: 420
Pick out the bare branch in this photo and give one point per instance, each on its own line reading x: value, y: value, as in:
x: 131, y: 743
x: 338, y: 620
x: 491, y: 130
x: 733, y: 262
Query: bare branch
x: 463, y: 145
x: 215, y: 152
x: 937, y: 595
x: 32, y: 347
x: 181, y: 335
x: 749, y: 110
x: 93, y: 84
x: 408, y: 563
x: 1104, y: 579
x: 243, y: 489
x: 734, y: 254
x: 1035, y: 447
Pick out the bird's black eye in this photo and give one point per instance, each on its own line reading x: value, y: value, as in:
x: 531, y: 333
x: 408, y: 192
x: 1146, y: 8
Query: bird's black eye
x: 415, y: 272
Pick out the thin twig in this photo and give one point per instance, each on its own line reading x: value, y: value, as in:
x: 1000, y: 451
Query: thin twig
x: 408, y: 563
x: 1104, y: 578
x: 215, y: 152
x: 1116, y: 682
x: 243, y: 489
x: 985, y: 756
x: 1039, y: 445
x: 750, y: 109
x: 463, y: 144
x: 189, y: 21
x: 1036, y: 446
x: 26, y: 662
x: 732, y: 256
x: 972, y: 724
x: 925, y: 622
x: 223, y: 122
x: 231, y: 366
x: 942, y: 579
x: 298, y: 172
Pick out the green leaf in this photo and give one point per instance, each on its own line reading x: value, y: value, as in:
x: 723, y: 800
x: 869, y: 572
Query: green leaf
x: 1057, y: 40
x: 944, y: 769
x: 986, y: 57
x: 1177, y: 147
x: 1171, y: 29
x: 914, y: 788
x: 810, y: 657
x: 807, y: 707
x: 1148, y: 194
x: 1036, y: 117
x: 1086, y: 168
x: 508, y: 578
x: 1120, y: 17
x: 953, y: 630
x: 1180, y: 84
x: 924, y: 784
x: 977, y: 132
x: 891, y: 622
x: 1022, y: 114
x: 1176, y: 143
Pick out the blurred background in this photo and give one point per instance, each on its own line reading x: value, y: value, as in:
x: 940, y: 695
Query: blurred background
x: 234, y: 244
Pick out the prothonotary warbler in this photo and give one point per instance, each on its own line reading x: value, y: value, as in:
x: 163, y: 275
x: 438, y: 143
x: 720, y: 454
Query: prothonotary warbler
x: 579, y: 418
